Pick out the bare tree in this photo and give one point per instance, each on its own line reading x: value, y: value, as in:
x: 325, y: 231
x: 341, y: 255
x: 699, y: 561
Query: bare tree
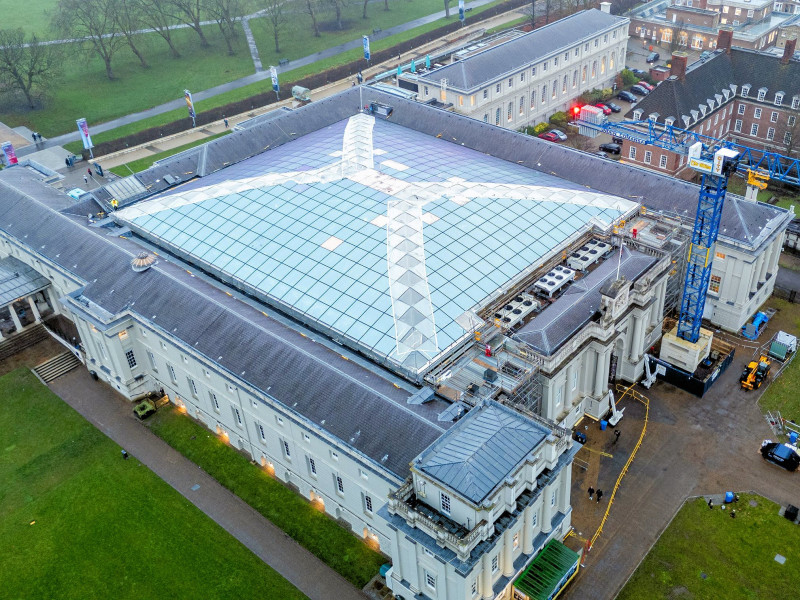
x: 581, y: 142
x: 386, y: 5
x: 26, y: 67
x: 128, y: 20
x: 364, y: 12
x: 337, y: 6
x: 156, y: 15
x: 277, y: 19
x: 226, y: 13
x: 93, y: 20
x: 311, y: 9
x: 791, y: 140
x: 446, y: 9
x: 188, y: 12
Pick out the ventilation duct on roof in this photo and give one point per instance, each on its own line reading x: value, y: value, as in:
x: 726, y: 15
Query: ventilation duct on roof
x: 143, y: 261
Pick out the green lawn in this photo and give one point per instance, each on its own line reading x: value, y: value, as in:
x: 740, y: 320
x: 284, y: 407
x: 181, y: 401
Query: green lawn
x: 706, y: 554
x: 77, y: 521
x: 33, y: 17
x: 782, y: 394
x: 145, y: 163
x: 85, y: 91
x: 317, y: 532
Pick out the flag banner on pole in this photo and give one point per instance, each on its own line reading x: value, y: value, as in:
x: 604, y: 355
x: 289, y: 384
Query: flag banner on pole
x: 187, y: 95
x: 273, y: 73
x: 461, y: 16
x: 9, y: 156
x: 365, y: 40
x: 83, y: 129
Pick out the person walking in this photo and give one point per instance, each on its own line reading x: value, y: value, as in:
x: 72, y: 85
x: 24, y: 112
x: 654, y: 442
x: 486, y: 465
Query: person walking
x: 710, y: 503
x: 599, y: 495
x: 591, y: 492
x: 89, y: 171
x: 616, y: 435
x: 226, y: 123
x: 85, y: 179
x: 125, y: 454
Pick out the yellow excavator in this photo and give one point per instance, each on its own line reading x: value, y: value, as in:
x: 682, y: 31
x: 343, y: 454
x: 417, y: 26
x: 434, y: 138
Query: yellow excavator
x: 755, y: 373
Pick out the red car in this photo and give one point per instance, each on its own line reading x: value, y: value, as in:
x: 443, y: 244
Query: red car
x: 549, y: 136
x: 646, y: 86
x: 606, y: 109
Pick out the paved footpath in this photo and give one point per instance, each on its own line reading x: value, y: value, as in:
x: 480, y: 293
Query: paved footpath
x: 112, y: 414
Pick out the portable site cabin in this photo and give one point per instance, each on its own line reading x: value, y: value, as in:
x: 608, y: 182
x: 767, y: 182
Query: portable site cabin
x: 549, y: 573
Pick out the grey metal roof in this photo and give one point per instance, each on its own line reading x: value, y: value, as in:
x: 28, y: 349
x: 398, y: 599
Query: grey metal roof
x: 18, y: 280
x: 564, y: 317
x: 351, y: 403
x: 481, y: 68
x: 481, y: 450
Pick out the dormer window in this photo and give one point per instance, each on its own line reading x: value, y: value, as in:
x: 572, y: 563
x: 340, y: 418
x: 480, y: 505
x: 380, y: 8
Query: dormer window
x: 637, y: 115
x: 778, y: 98
x: 762, y: 94
x: 745, y: 91
x: 795, y: 102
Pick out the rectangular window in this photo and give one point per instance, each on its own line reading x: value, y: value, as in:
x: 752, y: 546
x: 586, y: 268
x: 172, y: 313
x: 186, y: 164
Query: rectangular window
x: 792, y: 120
x: 214, y: 401
x: 741, y: 109
x: 445, y: 503
x: 130, y: 358
x: 647, y: 156
x: 787, y: 138
x: 485, y: 94
x: 192, y: 386
x: 795, y: 102
x: 516, y: 541
x: 535, y: 520
x: 151, y: 357
x: 719, y: 256
x: 773, y: 118
x: 368, y: 503
x: 261, y: 433
x: 757, y: 113
x: 461, y: 100
x: 474, y: 587
x: 522, y: 76
x: 430, y: 580
x: 632, y: 153
x: 495, y: 563
x: 762, y: 94
x: 510, y: 82
x: 575, y: 379
x: 339, y: 484
x: 553, y: 498
x: 662, y: 162
x: 238, y: 414
x: 771, y: 133
x: 286, y: 451
x: 312, y: 466
x: 737, y: 126
x: 714, y: 286
x: 172, y: 375
x: 754, y: 129
x: 497, y: 88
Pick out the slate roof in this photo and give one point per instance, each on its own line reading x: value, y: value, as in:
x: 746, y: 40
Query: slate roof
x: 576, y: 307
x: 18, y: 279
x: 481, y: 450
x: 355, y: 405
x: 674, y: 98
x: 481, y: 68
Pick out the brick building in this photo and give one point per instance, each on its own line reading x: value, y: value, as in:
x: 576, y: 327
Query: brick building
x: 751, y: 98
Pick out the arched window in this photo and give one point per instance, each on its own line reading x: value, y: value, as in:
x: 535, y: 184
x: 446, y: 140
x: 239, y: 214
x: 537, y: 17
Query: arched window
x: 510, y: 110
x: 522, y: 105
x: 564, y: 85
x: 544, y: 93
x: 603, y: 66
x: 575, y: 78
x: 555, y: 87
x: 594, y: 69
x: 497, y: 117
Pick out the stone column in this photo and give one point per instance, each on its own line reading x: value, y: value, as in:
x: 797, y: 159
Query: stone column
x: 508, y: 553
x: 598, y: 374
x: 35, y: 309
x: 765, y: 258
x: 486, y: 577
x: 527, y: 529
x: 753, y: 280
x: 635, y: 343
x: 570, y: 391
x: 15, y: 317
x: 758, y: 266
x: 547, y: 509
x: 606, y: 370
x: 51, y: 297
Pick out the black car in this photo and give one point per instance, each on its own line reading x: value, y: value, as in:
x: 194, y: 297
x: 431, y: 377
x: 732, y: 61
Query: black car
x: 611, y: 148
x: 653, y: 57
x: 639, y: 90
x: 783, y: 455
x: 614, y: 107
x: 627, y: 96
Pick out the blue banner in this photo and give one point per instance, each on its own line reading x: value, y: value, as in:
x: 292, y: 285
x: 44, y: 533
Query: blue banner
x: 273, y: 73
x: 365, y: 39
x: 461, y: 16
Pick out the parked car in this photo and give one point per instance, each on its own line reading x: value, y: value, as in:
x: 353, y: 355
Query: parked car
x: 610, y: 147
x: 646, y: 86
x: 639, y: 90
x: 627, y: 96
x: 614, y: 107
x: 783, y: 455
x: 638, y: 72
x: 549, y: 136
x: 705, y: 55
x: 562, y: 137
x: 606, y: 109
x: 601, y: 154
x: 653, y: 57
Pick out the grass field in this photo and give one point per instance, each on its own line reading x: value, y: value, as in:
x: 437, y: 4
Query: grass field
x: 85, y: 91
x: 77, y: 521
x: 144, y: 163
x: 705, y: 554
x: 32, y: 17
x: 317, y: 532
x: 782, y: 395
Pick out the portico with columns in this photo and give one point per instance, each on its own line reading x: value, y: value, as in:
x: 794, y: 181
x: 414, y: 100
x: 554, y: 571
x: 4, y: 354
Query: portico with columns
x: 25, y: 297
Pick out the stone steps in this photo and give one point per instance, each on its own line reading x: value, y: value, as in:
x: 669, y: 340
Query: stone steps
x: 18, y: 342
x: 57, y: 366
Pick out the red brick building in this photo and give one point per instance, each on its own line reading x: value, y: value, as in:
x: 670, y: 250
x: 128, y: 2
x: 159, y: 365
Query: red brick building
x: 751, y: 98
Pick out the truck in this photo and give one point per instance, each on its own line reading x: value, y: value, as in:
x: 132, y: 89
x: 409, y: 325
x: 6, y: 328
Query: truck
x: 755, y: 373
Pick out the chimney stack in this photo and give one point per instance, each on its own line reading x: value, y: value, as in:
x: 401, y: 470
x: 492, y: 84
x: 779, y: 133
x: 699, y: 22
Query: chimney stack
x: 725, y: 40
x: 605, y: 7
x: 678, y: 68
x: 788, y: 51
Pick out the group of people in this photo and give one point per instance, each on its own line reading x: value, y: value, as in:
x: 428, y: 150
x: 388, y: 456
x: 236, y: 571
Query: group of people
x: 592, y: 492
